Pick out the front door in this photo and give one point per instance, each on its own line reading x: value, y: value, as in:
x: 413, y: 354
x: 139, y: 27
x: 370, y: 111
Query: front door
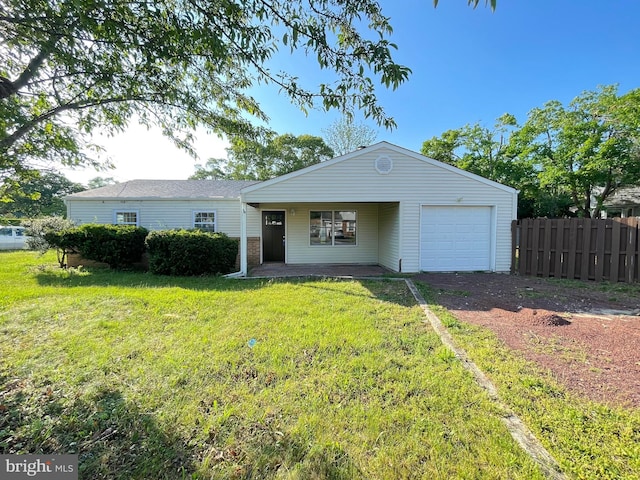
x: 273, y: 236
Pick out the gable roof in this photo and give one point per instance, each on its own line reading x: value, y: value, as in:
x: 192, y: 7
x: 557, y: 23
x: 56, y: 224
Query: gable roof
x: 166, y: 189
x: 623, y: 197
x: 372, y: 148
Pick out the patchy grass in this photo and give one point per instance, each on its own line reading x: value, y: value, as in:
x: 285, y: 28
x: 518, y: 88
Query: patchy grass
x: 205, y: 378
x: 589, y: 440
x: 557, y: 346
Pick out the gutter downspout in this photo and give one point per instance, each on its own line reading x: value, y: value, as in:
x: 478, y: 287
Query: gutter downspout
x: 243, y: 245
x: 243, y: 240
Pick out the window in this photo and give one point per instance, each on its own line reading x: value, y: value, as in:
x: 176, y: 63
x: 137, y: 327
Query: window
x: 337, y: 227
x: 205, y: 221
x: 276, y: 218
x: 126, y: 217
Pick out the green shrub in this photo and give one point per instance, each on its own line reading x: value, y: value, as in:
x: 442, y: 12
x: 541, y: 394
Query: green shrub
x: 190, y: 252
x: 65, y: 241
x: 119, y: 246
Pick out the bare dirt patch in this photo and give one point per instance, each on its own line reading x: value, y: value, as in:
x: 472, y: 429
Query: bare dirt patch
x: 586, y: 334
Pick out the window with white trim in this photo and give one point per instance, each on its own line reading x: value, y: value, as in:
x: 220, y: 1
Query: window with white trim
x: 125, y: 217
x: 205, y: 221
x: 332, y: 227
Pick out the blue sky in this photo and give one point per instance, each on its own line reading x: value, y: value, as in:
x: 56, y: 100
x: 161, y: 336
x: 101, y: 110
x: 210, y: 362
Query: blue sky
x: 468, y: 66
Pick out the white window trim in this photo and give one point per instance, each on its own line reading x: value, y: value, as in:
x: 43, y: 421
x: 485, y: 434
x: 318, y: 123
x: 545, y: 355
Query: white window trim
x: 126, y: 210
x: 332, y: 244
x: 215, y: 218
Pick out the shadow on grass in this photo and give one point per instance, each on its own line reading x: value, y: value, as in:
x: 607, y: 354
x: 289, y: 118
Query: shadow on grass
x: 112, y: 438
x: 256, y: 450
x: 391, y: 290
x: 115, y: 440
x: 104, y: 277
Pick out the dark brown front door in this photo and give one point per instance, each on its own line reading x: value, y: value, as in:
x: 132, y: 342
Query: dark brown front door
x: 273, y: 236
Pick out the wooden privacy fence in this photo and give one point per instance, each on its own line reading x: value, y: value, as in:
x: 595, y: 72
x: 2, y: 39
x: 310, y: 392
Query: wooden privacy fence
x: 576, y: 248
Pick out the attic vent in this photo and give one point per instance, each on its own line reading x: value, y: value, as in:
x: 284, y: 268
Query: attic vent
x: 384, y: 165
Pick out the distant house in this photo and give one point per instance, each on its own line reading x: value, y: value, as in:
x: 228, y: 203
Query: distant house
x: 382, y: 205
x: 624, y: 203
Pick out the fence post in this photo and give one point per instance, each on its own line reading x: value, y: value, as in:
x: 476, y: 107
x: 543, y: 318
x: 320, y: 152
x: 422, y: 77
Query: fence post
x: 586, y: 248
x: 632, y: 250
x: 600, y: 249
x: 546, y: 248
x: 523, y: 254
x: 560, y: 257
x: 615, y: 251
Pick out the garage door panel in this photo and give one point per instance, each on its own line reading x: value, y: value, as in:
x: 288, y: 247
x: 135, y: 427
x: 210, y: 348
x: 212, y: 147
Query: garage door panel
x: 455, y: 238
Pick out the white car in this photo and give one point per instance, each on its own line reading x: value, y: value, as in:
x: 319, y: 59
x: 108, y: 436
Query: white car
x: 12, y: 238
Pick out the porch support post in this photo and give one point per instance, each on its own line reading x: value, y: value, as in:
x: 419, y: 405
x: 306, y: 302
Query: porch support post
x: 243, y: 240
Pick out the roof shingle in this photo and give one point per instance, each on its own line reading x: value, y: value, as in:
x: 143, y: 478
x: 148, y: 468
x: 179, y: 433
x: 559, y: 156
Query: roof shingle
x: 167, y: 189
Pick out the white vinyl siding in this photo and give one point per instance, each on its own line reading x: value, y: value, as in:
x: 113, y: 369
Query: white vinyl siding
x: 162, y: 214
x: 389, y: 235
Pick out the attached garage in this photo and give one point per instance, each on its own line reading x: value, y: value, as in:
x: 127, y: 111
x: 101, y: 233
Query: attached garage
x: 409, y: 213
x: 457, y: 238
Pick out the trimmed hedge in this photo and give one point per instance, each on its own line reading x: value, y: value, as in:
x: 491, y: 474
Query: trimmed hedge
x: 191, y: 252
x: 119, y: 246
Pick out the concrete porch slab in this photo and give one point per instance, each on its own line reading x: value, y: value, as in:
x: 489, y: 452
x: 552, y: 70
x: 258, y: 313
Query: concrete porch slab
x: 318, y: 270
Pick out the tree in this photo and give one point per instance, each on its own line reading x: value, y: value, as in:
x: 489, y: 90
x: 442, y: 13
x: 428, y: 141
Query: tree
x: 586, y: 150
x: 560, y: 158
x: 475, y: 148
x: 41, y: 196
x: 251, y: 160
x: 68, y: 68
x: 212, y: 170
x: 345, y: 136
x: 37, y: 228
x: 97, y: 182
x: 487, y: 152
x: 72, y: 67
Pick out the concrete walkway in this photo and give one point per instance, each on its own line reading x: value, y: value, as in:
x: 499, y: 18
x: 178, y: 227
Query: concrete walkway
x: 319, y: 270
x: 517, y: 428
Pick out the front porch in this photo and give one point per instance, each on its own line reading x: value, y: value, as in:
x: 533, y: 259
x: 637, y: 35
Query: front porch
x: 321, y: 238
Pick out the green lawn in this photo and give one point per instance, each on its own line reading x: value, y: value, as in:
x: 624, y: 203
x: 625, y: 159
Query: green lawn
x: 156, y: 377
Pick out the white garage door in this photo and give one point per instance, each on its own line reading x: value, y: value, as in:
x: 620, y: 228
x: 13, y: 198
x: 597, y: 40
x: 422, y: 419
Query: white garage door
x: 455, y: 239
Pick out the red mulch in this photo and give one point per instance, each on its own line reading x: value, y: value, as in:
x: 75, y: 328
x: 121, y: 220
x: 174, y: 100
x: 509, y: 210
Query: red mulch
x: 587, y: 335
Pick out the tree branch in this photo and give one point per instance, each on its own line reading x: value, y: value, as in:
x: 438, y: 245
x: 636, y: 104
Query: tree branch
x: 7, y: 142
x: 8, y: 88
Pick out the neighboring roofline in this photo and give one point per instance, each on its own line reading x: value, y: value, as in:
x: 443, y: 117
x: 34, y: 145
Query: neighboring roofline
x: 378, y: 146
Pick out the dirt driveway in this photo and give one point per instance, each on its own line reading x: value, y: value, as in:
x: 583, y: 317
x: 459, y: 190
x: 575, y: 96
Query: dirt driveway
x: 587, y: 334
